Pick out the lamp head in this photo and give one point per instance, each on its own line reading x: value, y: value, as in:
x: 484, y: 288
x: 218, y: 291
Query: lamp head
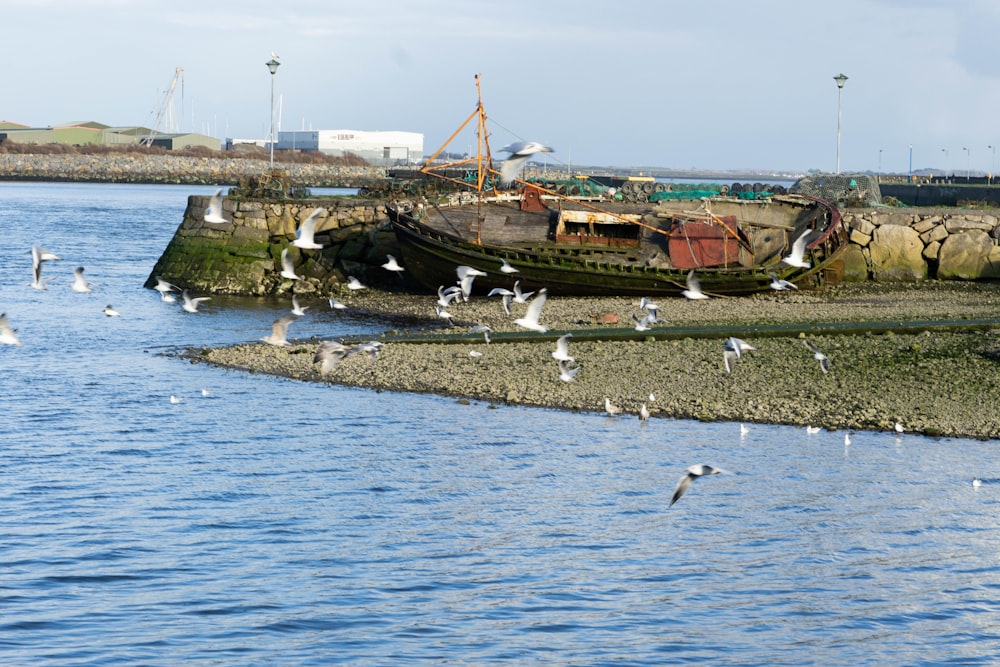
x: 272, y: 65
x: 840, y: 79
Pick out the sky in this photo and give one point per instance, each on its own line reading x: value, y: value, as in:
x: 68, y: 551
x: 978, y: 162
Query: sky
x: 713, y: 85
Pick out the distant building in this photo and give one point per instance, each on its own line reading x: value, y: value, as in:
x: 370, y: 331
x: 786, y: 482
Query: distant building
x: 91, y: 132
x: 378, y: 148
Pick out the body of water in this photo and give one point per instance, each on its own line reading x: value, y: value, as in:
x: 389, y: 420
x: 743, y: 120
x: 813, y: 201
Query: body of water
x: 274, y: 522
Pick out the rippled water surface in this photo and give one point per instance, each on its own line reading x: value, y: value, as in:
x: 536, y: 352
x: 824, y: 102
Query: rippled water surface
x: 275, y: 522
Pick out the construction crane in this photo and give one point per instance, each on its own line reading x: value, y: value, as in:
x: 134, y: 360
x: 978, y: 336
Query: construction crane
x: 165, y: 112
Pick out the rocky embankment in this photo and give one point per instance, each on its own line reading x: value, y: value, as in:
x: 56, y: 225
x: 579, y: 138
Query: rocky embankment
x: 932, y: 381
x: 177, y: 169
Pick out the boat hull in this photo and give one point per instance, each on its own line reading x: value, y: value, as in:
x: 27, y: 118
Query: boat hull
x: 564, y: 268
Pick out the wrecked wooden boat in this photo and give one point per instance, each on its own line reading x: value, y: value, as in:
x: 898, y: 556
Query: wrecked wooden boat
x: 599, y: 246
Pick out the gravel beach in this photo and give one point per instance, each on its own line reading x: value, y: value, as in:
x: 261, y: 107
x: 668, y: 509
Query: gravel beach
x: 938, y: 382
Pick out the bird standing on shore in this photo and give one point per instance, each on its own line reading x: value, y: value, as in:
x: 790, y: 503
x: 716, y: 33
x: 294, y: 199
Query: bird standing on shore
x: 690, y: 475
x: 520, y: 152
x: 610, y: 408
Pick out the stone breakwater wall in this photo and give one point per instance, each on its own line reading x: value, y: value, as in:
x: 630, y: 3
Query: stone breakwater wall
x: 243, y: 256
x: 173, y: 169
x: 917, y: 244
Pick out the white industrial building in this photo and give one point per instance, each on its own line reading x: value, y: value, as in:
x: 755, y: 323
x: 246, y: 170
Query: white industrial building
x: 382, y: 148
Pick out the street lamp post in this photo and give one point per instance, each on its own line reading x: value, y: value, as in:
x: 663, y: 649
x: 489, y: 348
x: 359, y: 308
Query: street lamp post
x: 968, y: 162
x: 272, y: 67
x: 878, y: 174
x: 910, y: 174
x: 945, y: 151
x: 840, y: 79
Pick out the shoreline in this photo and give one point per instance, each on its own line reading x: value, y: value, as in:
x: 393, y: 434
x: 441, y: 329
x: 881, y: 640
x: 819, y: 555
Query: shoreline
x: 936, y: 383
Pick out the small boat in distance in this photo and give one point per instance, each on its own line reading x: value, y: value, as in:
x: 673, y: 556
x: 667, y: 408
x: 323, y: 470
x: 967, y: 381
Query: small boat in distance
x: 599, y: 246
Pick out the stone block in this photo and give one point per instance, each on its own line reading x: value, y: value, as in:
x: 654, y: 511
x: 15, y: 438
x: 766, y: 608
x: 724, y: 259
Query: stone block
x: 859, y: 238
x: 964, y: 224
x: 938, y: 233
x: 931, y: 251
x: 864, y: 226
x: 855, y: 264
x: 896, y: 253
x: 964, y: 256
x: 924, y: 225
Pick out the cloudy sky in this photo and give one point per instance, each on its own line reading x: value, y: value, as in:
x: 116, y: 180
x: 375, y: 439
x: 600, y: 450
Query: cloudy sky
x: 718, y: 84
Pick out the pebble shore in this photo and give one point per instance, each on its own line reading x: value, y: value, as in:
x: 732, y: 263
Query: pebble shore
x: 937, y: 383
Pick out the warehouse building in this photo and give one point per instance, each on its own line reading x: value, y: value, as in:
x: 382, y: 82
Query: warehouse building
x: 93, y: 133
x: 378, y: 148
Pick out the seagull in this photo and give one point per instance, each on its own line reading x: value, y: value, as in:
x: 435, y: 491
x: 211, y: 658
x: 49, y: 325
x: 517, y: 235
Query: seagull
x: 744, y: 431
x: 475, y: 354
x: 163, y: 287
x: 44, y: 255
x: 37, y: 258
x: 371, y: 348
x: 729, y: 358
x: 175, y: 399
x: 306, y: 231
x: 561, y: 352
x: 7, y: 335
x: 328, y: 354
x: 297, y: 310
x: 612, y: 410
x: 336, y: 305
x: 191, y: 303
x: 483, y: 329
x: 206, y: 393
x: 690, y: 475
x: 812, y: 430
x: 780, y: 284
x: 645, y: 324
x: 467, y: 274
x: 797, y: 256
x: 643, y: 413
x: 693, y: 290
x: 111, y: 312
x: 506, y: 300
x: 287, y: 267
x: 566, y: 373
x: 976, y: 483
x: 519, y: 151
x: 447, y: 295
x: 519, y: 296
x: 897, y: 427
x: 80, y: 283
x: 393, y: 265
x: 651, y: 308
x: 279, y: 331
x: 824, y: 361
x: 847, y: 439
x: 213, y: 213
x: 738, y: 346
x: 167, y: 297
x: 354, y: 284
x: 534, y: 311
x: 505, y: 267
x: 445, y: 315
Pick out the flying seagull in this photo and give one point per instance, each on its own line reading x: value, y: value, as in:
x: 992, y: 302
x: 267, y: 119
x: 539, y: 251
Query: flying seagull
x: 163, y: 287
x: 505, y: 267
x: 824, y: 361
x: 354, y: 284
x: 534, y: 311
x: 37, y: 257
x: 80, y: 283
x: 467, y: 274
x: 797, y: 256
x: 191, y: 303
x: 306, y: 231
x: 393, y: 265
x: 328, y: 354
x: 780, y: 284
x: 7, y: 335
x: 729, y: 358
x: 213, y: 213
x: 566, y: 374
x: 690, y: 475
x: 483, y: 329
x: 279, y: 331
x: 693, y: 290
x: 287, y: 267
x: 445, y: 315
x: 336, y: 305
x: 449, y: 294
x: 561, y: 352
x: 519, y: 296
x: 520, y: 152
x: 738, y: 346
x: 298, y: 310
